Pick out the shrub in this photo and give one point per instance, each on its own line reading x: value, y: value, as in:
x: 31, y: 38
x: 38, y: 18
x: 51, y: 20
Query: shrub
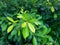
x: 33, y: 22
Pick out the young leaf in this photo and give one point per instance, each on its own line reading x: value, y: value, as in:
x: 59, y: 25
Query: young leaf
x: 19, y: 16
x: 10, y: 19
x: 31, y: 27
x: 34, y: 41
x: 52, y: 9
x: 23, y: 24
x: 10, y: 28
x: 25, y: 32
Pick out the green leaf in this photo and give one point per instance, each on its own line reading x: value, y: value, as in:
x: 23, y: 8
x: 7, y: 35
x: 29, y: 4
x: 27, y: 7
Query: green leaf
x: 2, y: 18
x: 16, y: 21
x: 25, y: 32
x: 52, y: 9
x: 10, y: 19
x: 19, y: 16
x: 10, y: 28
x: 13, y: 32
x: 56, y: 43
x: 34, y: 41
x: 49, y: 43
x: 24, y: 24
x: 4, y: 26
x: 31, y: 27
x: 9, y: 23
x: 38, y: 23
x: 33, y: 20
x: 55, y: 16
x: 18, y: 32
x: 46, y: 30
x: 50, y: 38
x: 22, y: 10
x: 1, y: 22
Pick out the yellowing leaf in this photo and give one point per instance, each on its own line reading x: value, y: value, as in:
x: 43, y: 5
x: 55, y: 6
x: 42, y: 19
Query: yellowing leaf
x: 31, y: 27
x: 34, y: 41
x: 25, y: 32
x: 23, y: 24
x: 52, y: 9
x: 10, y: 28
x: 10, y: 19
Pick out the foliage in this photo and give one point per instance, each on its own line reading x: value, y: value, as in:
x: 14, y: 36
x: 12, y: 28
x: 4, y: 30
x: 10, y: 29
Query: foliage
x: 33, y: 22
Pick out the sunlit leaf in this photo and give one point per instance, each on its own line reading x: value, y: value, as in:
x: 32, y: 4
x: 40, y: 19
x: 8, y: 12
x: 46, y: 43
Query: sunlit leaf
x: 24, y: 24
x: 25, y: 32
x: 10, y: 28
x: 52, y: 9
x: 10, y: 19
x: 16, y: 21
x: 32, y: 20
x: 31, y: 27
x: 19, y: 16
